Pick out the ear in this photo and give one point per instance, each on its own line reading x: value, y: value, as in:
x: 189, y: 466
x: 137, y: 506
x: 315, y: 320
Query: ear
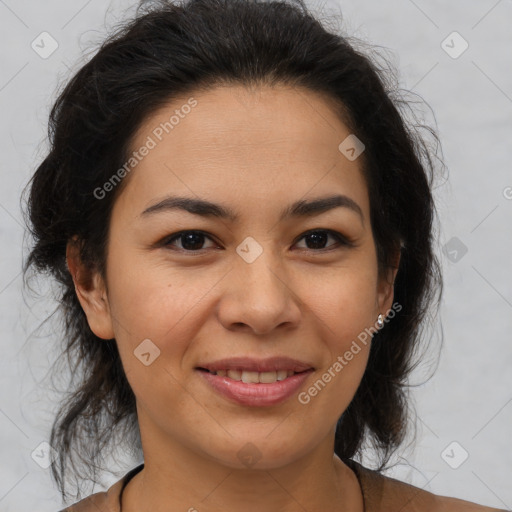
x: 91, y: 292
x: 386, y: 285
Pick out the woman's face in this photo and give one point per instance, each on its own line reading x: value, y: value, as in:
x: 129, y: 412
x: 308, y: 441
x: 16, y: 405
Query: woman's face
x: 254, y: 285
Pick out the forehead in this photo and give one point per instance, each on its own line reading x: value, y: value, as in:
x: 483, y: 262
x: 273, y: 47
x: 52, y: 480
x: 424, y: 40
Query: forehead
x: 255, y: 146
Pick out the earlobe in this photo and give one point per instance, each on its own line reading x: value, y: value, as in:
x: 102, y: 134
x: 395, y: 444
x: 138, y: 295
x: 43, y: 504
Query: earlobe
x: 91, y: 292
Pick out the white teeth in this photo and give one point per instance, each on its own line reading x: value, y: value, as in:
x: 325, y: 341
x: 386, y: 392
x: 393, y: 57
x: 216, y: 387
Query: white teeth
x: 234, y: 374
x: 250, y: 377
x: 255, y: 377
x: 268, y: 377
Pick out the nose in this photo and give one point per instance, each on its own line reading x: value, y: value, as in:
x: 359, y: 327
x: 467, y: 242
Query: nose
x: 259, y: 297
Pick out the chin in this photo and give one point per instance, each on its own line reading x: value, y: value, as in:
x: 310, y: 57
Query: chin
x: 260, y: 452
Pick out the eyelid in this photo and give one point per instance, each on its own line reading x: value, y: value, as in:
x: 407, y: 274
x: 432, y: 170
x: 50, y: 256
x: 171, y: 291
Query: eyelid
x: 175, y: 236
x: 341, y: 239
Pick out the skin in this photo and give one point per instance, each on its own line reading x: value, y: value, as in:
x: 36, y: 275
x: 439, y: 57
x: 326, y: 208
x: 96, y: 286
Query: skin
x: 254, y: 151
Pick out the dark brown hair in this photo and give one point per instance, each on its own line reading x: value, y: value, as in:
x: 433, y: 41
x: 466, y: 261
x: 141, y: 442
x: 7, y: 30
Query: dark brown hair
x: 169, y: 49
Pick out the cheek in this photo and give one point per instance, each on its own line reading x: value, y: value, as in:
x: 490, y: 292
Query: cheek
x: 149, y: 304
x: 342, y: 300
x: 342, y: 305
x: 153, y: 301
x: 343, y: 312
x: 343, y: 308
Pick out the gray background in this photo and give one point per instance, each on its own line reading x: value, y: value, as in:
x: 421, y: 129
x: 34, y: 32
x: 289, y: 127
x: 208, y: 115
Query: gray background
x: 469, y: 398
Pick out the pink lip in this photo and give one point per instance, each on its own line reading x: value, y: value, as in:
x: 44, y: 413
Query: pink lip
x: 249, y: 364
x: 253, y: 394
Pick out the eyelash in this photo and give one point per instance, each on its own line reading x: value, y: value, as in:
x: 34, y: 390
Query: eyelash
x: 342, y: 240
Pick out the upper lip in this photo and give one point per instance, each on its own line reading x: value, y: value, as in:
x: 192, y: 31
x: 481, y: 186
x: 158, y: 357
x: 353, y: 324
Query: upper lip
x: 250, y: 364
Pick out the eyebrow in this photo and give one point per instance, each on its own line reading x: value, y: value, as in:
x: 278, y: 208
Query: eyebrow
x: 300, y: 208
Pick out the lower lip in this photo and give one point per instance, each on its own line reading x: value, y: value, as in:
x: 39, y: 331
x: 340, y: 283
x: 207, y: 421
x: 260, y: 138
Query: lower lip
x: 256, y: 394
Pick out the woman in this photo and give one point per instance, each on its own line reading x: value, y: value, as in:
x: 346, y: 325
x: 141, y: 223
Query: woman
x: 241, y: 223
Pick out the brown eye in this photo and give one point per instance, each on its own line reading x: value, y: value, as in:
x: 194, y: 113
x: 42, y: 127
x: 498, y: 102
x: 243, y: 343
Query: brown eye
x: 317, y: 239
x: 191, y: 241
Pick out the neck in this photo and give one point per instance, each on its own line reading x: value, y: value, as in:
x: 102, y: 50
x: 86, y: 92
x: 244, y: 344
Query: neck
x: 176, y: 478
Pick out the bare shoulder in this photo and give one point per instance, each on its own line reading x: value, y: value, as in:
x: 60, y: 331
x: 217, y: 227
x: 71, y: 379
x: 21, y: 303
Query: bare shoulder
x: 446, y: 504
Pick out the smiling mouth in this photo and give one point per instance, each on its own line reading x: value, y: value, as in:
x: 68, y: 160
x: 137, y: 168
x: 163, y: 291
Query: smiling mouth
x: 250, y: 377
